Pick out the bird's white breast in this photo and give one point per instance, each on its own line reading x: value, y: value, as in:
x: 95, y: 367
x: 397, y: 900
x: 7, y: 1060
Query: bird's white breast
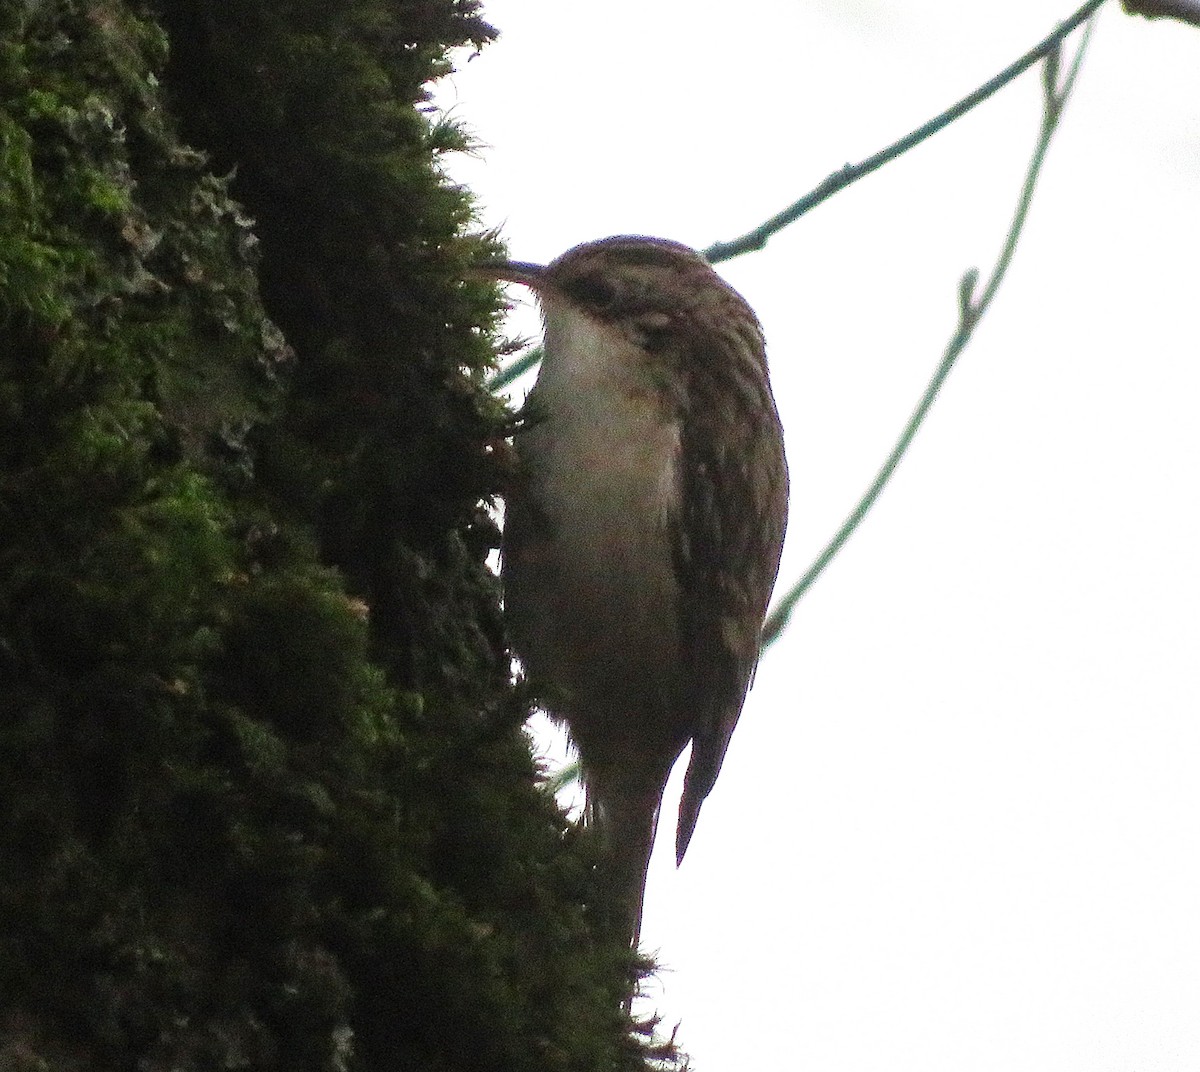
x: 608, y: 453
x: 602, y: 460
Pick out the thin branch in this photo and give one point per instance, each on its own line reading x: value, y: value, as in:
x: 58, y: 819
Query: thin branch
x: 504, y: 377
x: 839, y: 180
x: 971, y: 309
x: 851, y: 173
x: 569, y: 773
x: 1183, y: 10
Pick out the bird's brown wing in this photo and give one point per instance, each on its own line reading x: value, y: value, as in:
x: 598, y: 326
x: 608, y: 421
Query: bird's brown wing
x: 728, y: 538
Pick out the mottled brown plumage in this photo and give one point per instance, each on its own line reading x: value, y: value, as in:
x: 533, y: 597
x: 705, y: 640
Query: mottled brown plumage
x: 642, y: 540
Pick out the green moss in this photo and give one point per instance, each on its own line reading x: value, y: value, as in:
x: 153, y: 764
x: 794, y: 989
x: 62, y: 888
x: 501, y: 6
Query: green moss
x: 265, y: 798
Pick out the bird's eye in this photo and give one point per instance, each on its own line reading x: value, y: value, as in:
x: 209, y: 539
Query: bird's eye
x: 594, y: 290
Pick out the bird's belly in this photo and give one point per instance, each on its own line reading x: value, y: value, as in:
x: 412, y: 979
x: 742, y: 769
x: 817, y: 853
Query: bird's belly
x: 590, y: 588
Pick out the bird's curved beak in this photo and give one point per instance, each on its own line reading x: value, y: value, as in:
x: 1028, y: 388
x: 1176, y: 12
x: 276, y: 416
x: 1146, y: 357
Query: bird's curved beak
x: 511, y: 272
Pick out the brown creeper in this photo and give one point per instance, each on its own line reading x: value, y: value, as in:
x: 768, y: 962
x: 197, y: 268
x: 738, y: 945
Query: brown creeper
x: 643, y: 537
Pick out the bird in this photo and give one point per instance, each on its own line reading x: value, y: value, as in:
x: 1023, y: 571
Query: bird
x: 643, y: 530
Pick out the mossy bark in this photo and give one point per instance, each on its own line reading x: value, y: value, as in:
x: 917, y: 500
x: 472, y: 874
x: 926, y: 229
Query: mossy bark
x: 265, y: 797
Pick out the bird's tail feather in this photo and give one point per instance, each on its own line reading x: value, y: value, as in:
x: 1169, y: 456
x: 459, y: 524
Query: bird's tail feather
x: 627, y: 822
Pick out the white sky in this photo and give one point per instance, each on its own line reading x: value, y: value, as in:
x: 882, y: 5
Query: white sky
x: 959, y: 824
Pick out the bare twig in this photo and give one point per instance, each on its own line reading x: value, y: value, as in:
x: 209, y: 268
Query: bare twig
x: 1182, y: 10
x: 851, y: 173
x: 506, y: 376
x: 971, y: 309
x: 839, y: 180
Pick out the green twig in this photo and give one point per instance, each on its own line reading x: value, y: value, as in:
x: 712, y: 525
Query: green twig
x: 971, y: 309
x: 851, y: 173
x: 506, y: 376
